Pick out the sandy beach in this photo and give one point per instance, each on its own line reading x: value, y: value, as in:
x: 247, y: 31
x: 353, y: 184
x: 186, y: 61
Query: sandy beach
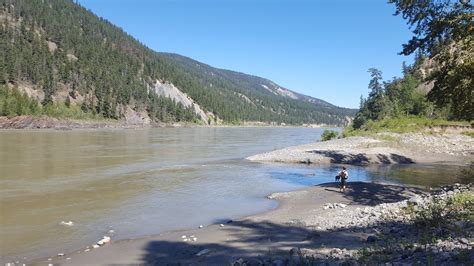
x: 383, y: 148
x: 302, y: 220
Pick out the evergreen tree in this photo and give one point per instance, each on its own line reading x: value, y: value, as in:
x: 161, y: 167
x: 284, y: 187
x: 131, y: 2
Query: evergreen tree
x: 445, y: 31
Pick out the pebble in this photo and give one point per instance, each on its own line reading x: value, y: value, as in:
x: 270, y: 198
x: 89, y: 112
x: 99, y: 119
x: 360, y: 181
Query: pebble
x: 68, y: 223
x: 203, y: 252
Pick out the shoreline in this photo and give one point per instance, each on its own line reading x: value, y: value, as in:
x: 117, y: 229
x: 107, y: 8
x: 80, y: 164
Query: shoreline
x: 293, y: 219
x: 294, y: 213
x: 29, y: 122
x: 382, y: 148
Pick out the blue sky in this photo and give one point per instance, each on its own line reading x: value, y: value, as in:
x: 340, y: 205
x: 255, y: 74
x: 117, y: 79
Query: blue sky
x: 321, y: 48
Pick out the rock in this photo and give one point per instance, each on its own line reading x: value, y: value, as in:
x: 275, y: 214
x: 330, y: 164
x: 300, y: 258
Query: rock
x: 95, y: 246
x: 238, y: 262
x: 221, y: 225
x: 194, y: 239
x: 183, y: 236
x: 203, y: 252
x: 60, y: 254
x: 201, y: 226
x: 464, y: 241
x: 372, y: 239
x: 103, y: 241
x: 416, y: 200
x: 254, y: 262
x: 68, y: 223
x: 87, y: 250
x: 277, y: 263
x: 295, y: 251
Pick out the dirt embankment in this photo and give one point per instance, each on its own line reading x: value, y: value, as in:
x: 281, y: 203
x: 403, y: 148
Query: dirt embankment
x: 43, y: 122
x: 386, y: 148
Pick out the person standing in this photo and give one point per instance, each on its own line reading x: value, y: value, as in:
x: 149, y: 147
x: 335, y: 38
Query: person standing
x: 343, y: 175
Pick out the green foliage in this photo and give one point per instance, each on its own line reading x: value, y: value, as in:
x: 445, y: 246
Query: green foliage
x: 15, y: 103
x: 443, y: 212
x: 62, y: 111
x: 328, y: 135
x: 377, y: 103
x: 445, y: 31
x: 468, y: 133
x: 403, y: 124
x: 393, y: 99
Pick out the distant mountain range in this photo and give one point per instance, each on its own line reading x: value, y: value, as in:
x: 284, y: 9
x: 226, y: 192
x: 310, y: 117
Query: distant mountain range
x: 58, y: 52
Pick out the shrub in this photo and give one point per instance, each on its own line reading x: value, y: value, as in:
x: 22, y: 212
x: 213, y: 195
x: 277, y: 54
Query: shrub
x: 328, y: 135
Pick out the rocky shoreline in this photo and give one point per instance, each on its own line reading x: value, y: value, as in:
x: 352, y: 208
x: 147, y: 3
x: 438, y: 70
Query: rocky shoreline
x: 369, y: 224
x: 382, y: 148
x: 394, y: 234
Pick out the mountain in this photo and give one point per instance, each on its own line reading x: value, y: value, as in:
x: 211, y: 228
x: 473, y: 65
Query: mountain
x: 57, y: 52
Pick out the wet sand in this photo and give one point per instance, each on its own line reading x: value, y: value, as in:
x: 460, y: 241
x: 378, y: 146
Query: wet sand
x: 301, y: 220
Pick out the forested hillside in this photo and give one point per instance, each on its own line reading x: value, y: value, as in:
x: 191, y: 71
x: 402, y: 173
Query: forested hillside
x: 62, y: 54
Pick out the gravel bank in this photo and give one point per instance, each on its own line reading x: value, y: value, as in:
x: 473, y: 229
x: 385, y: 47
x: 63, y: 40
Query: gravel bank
x: 387, y: 148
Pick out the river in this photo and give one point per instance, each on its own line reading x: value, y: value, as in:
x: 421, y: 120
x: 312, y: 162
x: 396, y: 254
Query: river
x: 147, y: 181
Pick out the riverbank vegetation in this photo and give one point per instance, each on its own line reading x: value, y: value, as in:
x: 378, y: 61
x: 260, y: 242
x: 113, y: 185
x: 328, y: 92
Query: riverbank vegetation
x: 14, y: 103
x: 437, y: 89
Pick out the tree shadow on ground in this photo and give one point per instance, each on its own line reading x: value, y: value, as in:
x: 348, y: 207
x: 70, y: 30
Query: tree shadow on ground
x: 263, y: 241
x: 372, y: 194
x: 247, y: 239
x: 250, y: 239
x: 361, y: 158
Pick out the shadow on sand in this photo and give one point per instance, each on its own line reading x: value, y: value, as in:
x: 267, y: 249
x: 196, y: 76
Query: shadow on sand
x: 372, y: 194
x: 361, y: 158
x: 251, y: 239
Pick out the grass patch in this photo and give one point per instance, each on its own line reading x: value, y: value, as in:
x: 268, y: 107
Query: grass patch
x: 444, y: 212
x: 400, y: 125
x: 328, y: 135
x: 468, y: 133
x: 72, y: 112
